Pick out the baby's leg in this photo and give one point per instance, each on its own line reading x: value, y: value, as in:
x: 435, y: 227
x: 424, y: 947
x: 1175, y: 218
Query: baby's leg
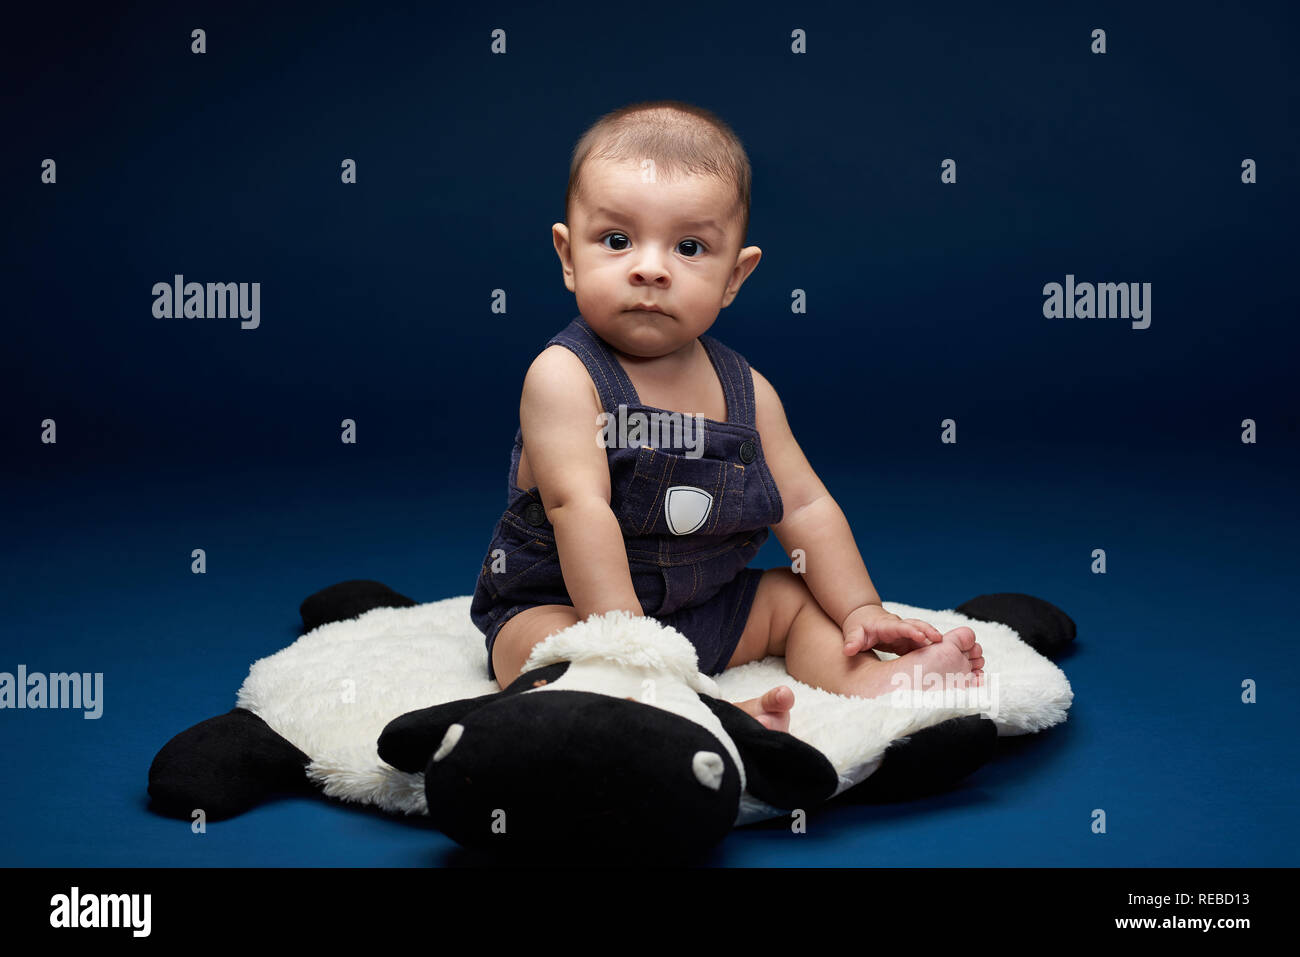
x: 787, y: 620
x: 515, y: 640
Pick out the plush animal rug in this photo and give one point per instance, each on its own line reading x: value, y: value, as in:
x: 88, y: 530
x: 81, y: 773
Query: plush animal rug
x: 333, y: 691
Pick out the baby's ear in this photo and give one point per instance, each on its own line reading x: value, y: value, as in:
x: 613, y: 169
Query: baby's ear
x: 564, y: 249
x: 746, y: 262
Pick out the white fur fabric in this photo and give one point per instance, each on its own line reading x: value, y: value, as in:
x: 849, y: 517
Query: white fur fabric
x: 333, y: 690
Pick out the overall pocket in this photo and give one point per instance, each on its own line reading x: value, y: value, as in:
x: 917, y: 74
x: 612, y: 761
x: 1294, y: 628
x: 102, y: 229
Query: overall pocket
x: 671, y: 494
x: 503, y: 573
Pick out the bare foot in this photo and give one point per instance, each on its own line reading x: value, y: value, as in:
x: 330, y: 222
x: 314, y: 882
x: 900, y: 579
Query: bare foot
x: 958, y: 661
x: 771, y: 709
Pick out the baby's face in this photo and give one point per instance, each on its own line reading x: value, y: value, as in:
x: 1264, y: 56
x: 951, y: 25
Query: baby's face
x: 672, y: 244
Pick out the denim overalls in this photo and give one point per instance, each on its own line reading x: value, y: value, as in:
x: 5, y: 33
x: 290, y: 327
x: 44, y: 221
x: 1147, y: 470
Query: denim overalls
x: 691, y: 525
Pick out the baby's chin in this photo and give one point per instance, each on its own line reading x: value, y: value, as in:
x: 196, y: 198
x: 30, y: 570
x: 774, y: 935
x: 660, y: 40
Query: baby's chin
x: 646, y: 335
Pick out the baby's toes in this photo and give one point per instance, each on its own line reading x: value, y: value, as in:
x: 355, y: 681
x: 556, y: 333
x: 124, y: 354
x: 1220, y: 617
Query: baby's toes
x: 778, y: 699
x: 962, y: 638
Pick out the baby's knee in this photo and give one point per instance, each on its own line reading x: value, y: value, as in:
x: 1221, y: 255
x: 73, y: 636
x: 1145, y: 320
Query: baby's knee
x: 782, y: 595
x: 516, y: 638
x: 788, y: 586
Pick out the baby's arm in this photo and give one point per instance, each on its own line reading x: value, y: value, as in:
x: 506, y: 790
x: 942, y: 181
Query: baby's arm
x: 557, y: 416
x: 813, y: 521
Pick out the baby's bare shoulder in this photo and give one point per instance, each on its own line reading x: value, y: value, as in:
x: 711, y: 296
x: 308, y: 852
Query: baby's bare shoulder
x: 769, y: 415
x: 558, y: 361
x: 557, y: 381
x: 767, y: 404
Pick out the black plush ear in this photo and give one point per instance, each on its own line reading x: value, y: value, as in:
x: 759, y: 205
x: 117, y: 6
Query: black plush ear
x: 1042, y: 625
x: 224, y: 766
x: 930, y: 760
x: 780, y: 769
x: 347, y: 600
x: 409, y: 740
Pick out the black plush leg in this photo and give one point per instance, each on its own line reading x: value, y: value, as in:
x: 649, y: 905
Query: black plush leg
x: 1042, y: 625
x: 929, y: 761
x: 348, y: 600
x: 224, y: 766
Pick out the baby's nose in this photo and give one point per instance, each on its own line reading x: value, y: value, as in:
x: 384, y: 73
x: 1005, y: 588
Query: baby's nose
x: 651, y: 268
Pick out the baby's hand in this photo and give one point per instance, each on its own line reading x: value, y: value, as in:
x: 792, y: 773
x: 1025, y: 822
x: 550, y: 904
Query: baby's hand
x: 870, y: 626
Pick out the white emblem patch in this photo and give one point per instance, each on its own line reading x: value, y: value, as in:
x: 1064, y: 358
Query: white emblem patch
x: 686, y: 508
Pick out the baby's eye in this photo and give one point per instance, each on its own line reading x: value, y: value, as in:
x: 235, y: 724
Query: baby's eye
x: 611, y: 236
x: 691, y: 242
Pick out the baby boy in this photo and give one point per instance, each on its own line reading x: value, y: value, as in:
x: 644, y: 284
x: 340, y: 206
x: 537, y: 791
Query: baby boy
x: 653, y: 248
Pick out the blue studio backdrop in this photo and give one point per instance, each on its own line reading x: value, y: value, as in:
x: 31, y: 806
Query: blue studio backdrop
x: 919, y: 181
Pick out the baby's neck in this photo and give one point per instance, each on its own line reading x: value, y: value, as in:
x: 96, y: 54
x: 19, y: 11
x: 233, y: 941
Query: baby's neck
x: 667, y: 366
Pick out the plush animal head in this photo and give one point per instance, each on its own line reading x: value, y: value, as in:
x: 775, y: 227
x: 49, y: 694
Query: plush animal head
x: 609, y: 740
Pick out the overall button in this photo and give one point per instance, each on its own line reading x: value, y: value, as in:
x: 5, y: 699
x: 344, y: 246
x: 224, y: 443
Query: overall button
x: 534, y: 514
x: 747, y: 451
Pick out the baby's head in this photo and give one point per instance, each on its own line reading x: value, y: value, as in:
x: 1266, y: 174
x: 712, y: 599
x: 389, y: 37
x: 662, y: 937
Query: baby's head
x: 657, y: 214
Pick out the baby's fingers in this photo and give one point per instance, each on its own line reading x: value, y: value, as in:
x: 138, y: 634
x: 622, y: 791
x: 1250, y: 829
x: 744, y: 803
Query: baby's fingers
x: 927, y: 630
x: 904, y: 628
x: 855, y: 640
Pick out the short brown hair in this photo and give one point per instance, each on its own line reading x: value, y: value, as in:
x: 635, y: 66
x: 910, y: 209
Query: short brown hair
x: 677, y: 136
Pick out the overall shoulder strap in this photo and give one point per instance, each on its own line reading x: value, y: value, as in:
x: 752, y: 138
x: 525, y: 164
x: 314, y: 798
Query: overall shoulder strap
x: 737, y: 381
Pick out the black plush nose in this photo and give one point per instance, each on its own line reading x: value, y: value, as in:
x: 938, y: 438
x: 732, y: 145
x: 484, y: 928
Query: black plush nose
x: 575, y: 770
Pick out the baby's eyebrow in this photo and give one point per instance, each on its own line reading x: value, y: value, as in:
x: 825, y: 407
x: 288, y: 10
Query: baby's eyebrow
x: 688, y: 223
